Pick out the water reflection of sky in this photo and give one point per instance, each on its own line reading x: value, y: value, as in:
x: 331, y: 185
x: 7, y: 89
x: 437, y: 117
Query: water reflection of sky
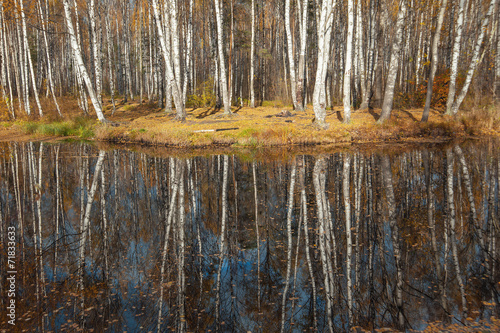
x: 138, y: 190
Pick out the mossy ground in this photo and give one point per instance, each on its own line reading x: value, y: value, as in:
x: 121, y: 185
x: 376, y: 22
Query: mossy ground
x: 145, y: 123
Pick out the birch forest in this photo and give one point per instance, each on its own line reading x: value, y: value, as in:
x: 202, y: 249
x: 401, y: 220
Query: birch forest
x: 179, y: 54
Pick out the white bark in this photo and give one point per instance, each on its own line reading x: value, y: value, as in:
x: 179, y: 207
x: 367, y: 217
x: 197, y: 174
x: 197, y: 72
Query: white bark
x: 176, y: 94
x: 324, y: 34
x: 77, y: 55
x: 475, y: 59
x: 96, y: 51
x: 393, y: 64
x: 348, y: 62
x: 291, y: 58
x: 47, y: 53
x: 252, y: 58
x: 30, y: 62
x: 497, y: 63
x: 222, y: 59
x: 434, y: 59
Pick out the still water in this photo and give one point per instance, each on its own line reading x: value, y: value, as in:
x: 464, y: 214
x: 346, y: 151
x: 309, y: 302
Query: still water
x: 116, y: 240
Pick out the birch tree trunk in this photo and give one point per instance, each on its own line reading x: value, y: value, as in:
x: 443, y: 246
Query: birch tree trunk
x: 47, y: 53
x: 77, y: 55
x: 30, y: 62
x: 434, y: 59
x: 96, y: 51
x: 455, y: 57
x: 222, y: 59
x: 252, y: 58
x: 302, y: 56
x: 176, y: 94
x: 291, y: 58
x: 497, y: 63
x: 324, y: 33
x: 348, y: 62
x: 475, y: 60
x: 393, y: 64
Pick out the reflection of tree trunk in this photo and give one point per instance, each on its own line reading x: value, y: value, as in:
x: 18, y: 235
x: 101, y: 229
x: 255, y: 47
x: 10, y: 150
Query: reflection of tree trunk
x: 169, y: 214
x: 254, y: 172
x: 289, y: 241
x: 58, y: 210
x: 371, y: 238
x: 222, y: 248
x: 319, y: 179
x: 470, y: 195
x: 17, y: 192
x: 303, y: 199
x: 357, y: 200
x: 181, y: 277
x: 86, y: 223
x: 391, y: 207
x: 347, y: 209
x: 451, y: 219
x: 432, y: 226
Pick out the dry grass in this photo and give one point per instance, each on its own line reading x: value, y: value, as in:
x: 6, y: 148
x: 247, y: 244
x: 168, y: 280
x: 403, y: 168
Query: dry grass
x: 261, y: 127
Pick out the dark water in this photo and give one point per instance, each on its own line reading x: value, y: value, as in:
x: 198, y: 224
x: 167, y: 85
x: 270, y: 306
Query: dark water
x: 122, y: 241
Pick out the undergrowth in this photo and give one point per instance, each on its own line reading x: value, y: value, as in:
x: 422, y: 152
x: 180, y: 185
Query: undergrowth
x: 81, y: 127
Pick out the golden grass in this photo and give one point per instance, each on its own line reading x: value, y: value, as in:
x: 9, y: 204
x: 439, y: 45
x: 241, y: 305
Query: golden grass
x: 257, y: 127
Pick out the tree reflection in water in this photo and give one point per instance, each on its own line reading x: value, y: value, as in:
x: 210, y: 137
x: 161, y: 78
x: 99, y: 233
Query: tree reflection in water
x: 123, y: 241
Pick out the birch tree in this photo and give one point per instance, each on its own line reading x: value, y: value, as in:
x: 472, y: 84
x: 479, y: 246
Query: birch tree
x: 475, y: 59
x: 455, y: 56
x: 176, y: 94
x: 252, y: 58
x: 434, y: 59
x: 348, y: 62
x: 77, y: 55
x: 222, y: 58
x: 393, y: 64
x: 325, y: 21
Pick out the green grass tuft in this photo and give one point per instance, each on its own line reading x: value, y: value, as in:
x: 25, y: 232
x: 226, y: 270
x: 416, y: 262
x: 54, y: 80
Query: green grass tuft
x: 80, y: 127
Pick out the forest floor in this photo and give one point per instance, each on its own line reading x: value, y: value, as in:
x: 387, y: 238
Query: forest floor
x: 146, y: 124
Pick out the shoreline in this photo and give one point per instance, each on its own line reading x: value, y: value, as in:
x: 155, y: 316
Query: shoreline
x: 205, y: 129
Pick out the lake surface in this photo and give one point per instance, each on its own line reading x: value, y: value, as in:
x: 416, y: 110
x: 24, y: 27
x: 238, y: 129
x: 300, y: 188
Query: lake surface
x: 119, y: 240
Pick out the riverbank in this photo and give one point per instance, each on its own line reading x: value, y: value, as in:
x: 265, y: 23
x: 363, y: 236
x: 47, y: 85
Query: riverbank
x: 145, y: 124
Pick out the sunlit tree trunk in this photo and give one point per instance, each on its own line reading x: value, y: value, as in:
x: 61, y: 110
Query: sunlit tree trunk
x: 475, y: 60
x: 222, y: 58
x: 30, y: 62
x: 393, y: 64
x: 176, y: 94
x: 348, y: 62
x: 497, y: 63
x: 291, y: 57
x: 434, y: 59
x: 455, y: 56
x: 77, y: 54
x: 325, y: 21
